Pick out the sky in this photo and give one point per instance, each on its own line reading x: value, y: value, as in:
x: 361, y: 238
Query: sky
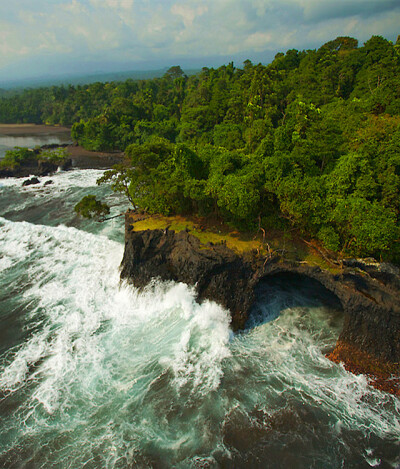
x: 58, y: 37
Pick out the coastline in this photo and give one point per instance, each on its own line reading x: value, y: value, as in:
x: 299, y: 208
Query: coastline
x: 86, y: 159
x: 367, y: 291
x: 249, y: 259
x: 80, y: 157
x: 33, y: 129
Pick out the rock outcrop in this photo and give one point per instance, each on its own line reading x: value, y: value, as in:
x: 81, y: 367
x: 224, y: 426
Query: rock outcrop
x: 368, y: 292
x: 46, y: 167
x: 30, y: 182
x: 36, y: 168
x: 217, y: 272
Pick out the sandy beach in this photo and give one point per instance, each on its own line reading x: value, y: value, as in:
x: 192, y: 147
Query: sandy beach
x: 86, y: 159
x: 31, y: 135
x: 33, y: 129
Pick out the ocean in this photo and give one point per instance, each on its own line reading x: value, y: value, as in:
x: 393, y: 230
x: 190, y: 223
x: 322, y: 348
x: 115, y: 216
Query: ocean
x: 96, y: 374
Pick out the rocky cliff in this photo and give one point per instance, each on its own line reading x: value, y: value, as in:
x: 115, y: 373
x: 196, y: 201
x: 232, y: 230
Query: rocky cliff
x: 368, y: 292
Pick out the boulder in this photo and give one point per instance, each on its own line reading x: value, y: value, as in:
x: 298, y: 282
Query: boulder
x: 30, y: 182
x: 45, y: 167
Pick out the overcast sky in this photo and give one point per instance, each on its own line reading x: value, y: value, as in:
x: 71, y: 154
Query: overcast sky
x: 41, y: 37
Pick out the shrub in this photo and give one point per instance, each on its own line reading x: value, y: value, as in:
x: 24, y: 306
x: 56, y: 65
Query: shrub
x: 90, y: 207
x: 14, y: 158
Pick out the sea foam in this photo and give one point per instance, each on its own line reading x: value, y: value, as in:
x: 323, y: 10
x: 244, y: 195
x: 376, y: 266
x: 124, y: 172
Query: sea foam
x: 116, y: 376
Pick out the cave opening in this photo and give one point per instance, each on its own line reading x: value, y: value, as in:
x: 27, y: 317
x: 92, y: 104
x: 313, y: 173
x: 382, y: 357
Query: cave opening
x: 280, y: 293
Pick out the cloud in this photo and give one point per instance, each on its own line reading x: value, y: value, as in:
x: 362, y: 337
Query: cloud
x: 317, y: 11
x: 258, y: 40
x: 113, y: 4
x: 187, y: 13
x: 157, y: 31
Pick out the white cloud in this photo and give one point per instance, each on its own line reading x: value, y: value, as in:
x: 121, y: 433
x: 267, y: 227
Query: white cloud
x: 258, y: 41
x: 113, y: 4
x: 188, y: 13
x: 134, y: 30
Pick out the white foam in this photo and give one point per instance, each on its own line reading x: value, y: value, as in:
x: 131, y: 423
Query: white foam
x: 5, y: 263
x: 76, y: 285
x: 292, y: 354
x: 61, y: 180
x: 112, y: 367
x: 202, y: 346
x: 65, y: 185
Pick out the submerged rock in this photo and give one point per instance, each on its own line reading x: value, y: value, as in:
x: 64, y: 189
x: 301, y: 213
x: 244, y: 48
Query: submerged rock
x: 369, y: 294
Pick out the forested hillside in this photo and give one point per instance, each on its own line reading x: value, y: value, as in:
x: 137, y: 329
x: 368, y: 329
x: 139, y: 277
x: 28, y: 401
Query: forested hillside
x: 310, y: 141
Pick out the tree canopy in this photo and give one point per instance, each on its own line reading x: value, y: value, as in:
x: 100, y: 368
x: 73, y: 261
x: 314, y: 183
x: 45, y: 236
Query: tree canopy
x: 310, y: 141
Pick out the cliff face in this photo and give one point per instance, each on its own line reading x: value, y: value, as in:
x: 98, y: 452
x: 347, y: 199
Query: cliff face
x: 218, y: 273
x: 369, y: 293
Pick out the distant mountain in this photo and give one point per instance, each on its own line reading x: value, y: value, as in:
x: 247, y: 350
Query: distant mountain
x: 5, y: 93
x: 37, y: 82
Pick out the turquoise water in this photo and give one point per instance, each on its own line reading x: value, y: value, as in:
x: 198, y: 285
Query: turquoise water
x: 94, y: 373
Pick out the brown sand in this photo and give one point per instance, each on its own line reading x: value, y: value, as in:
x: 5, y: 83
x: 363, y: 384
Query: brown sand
x: 33, y: 129
x: 86, y: 159
x: 81, y: 158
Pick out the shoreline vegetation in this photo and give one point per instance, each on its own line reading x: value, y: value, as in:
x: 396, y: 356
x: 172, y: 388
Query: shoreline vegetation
x: 80, y: 157
x: 296, y: 162
x: 309, y: 142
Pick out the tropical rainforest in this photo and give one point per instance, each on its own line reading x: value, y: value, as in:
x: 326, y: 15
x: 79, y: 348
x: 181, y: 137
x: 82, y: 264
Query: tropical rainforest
x: 309, y: 142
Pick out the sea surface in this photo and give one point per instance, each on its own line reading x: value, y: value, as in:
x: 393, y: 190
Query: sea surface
x: 95, y: 374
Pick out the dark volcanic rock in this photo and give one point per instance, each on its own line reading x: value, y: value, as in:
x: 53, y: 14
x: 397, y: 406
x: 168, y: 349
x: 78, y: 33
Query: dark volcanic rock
x: 67, y: 164
x: 6, y: 173
x: 53, y: 146
x: 45, y: 167
x: 369, y: 295
x: 27, y: 169
x: 48, y: 183
x: 180, y: 257
x: 30, y: 182
x: 371, y: 307
x: 35, y: 167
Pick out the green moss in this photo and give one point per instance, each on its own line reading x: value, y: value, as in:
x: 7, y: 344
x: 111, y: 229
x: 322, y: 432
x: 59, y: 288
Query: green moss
x: 238, y: 242
x: 316, y: 260
x: 288, y: 245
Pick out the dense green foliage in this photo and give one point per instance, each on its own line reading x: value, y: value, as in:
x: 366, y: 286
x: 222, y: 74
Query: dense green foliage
x: 311, y: 140
x: 15, y: 158
x: 22, y: 156
x: 90, y: 207
x: 56, y: 156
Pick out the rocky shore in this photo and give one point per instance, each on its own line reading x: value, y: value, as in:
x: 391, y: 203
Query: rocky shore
x: 368, y: 292
x: 78, y: 158
x: 35, y: 166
